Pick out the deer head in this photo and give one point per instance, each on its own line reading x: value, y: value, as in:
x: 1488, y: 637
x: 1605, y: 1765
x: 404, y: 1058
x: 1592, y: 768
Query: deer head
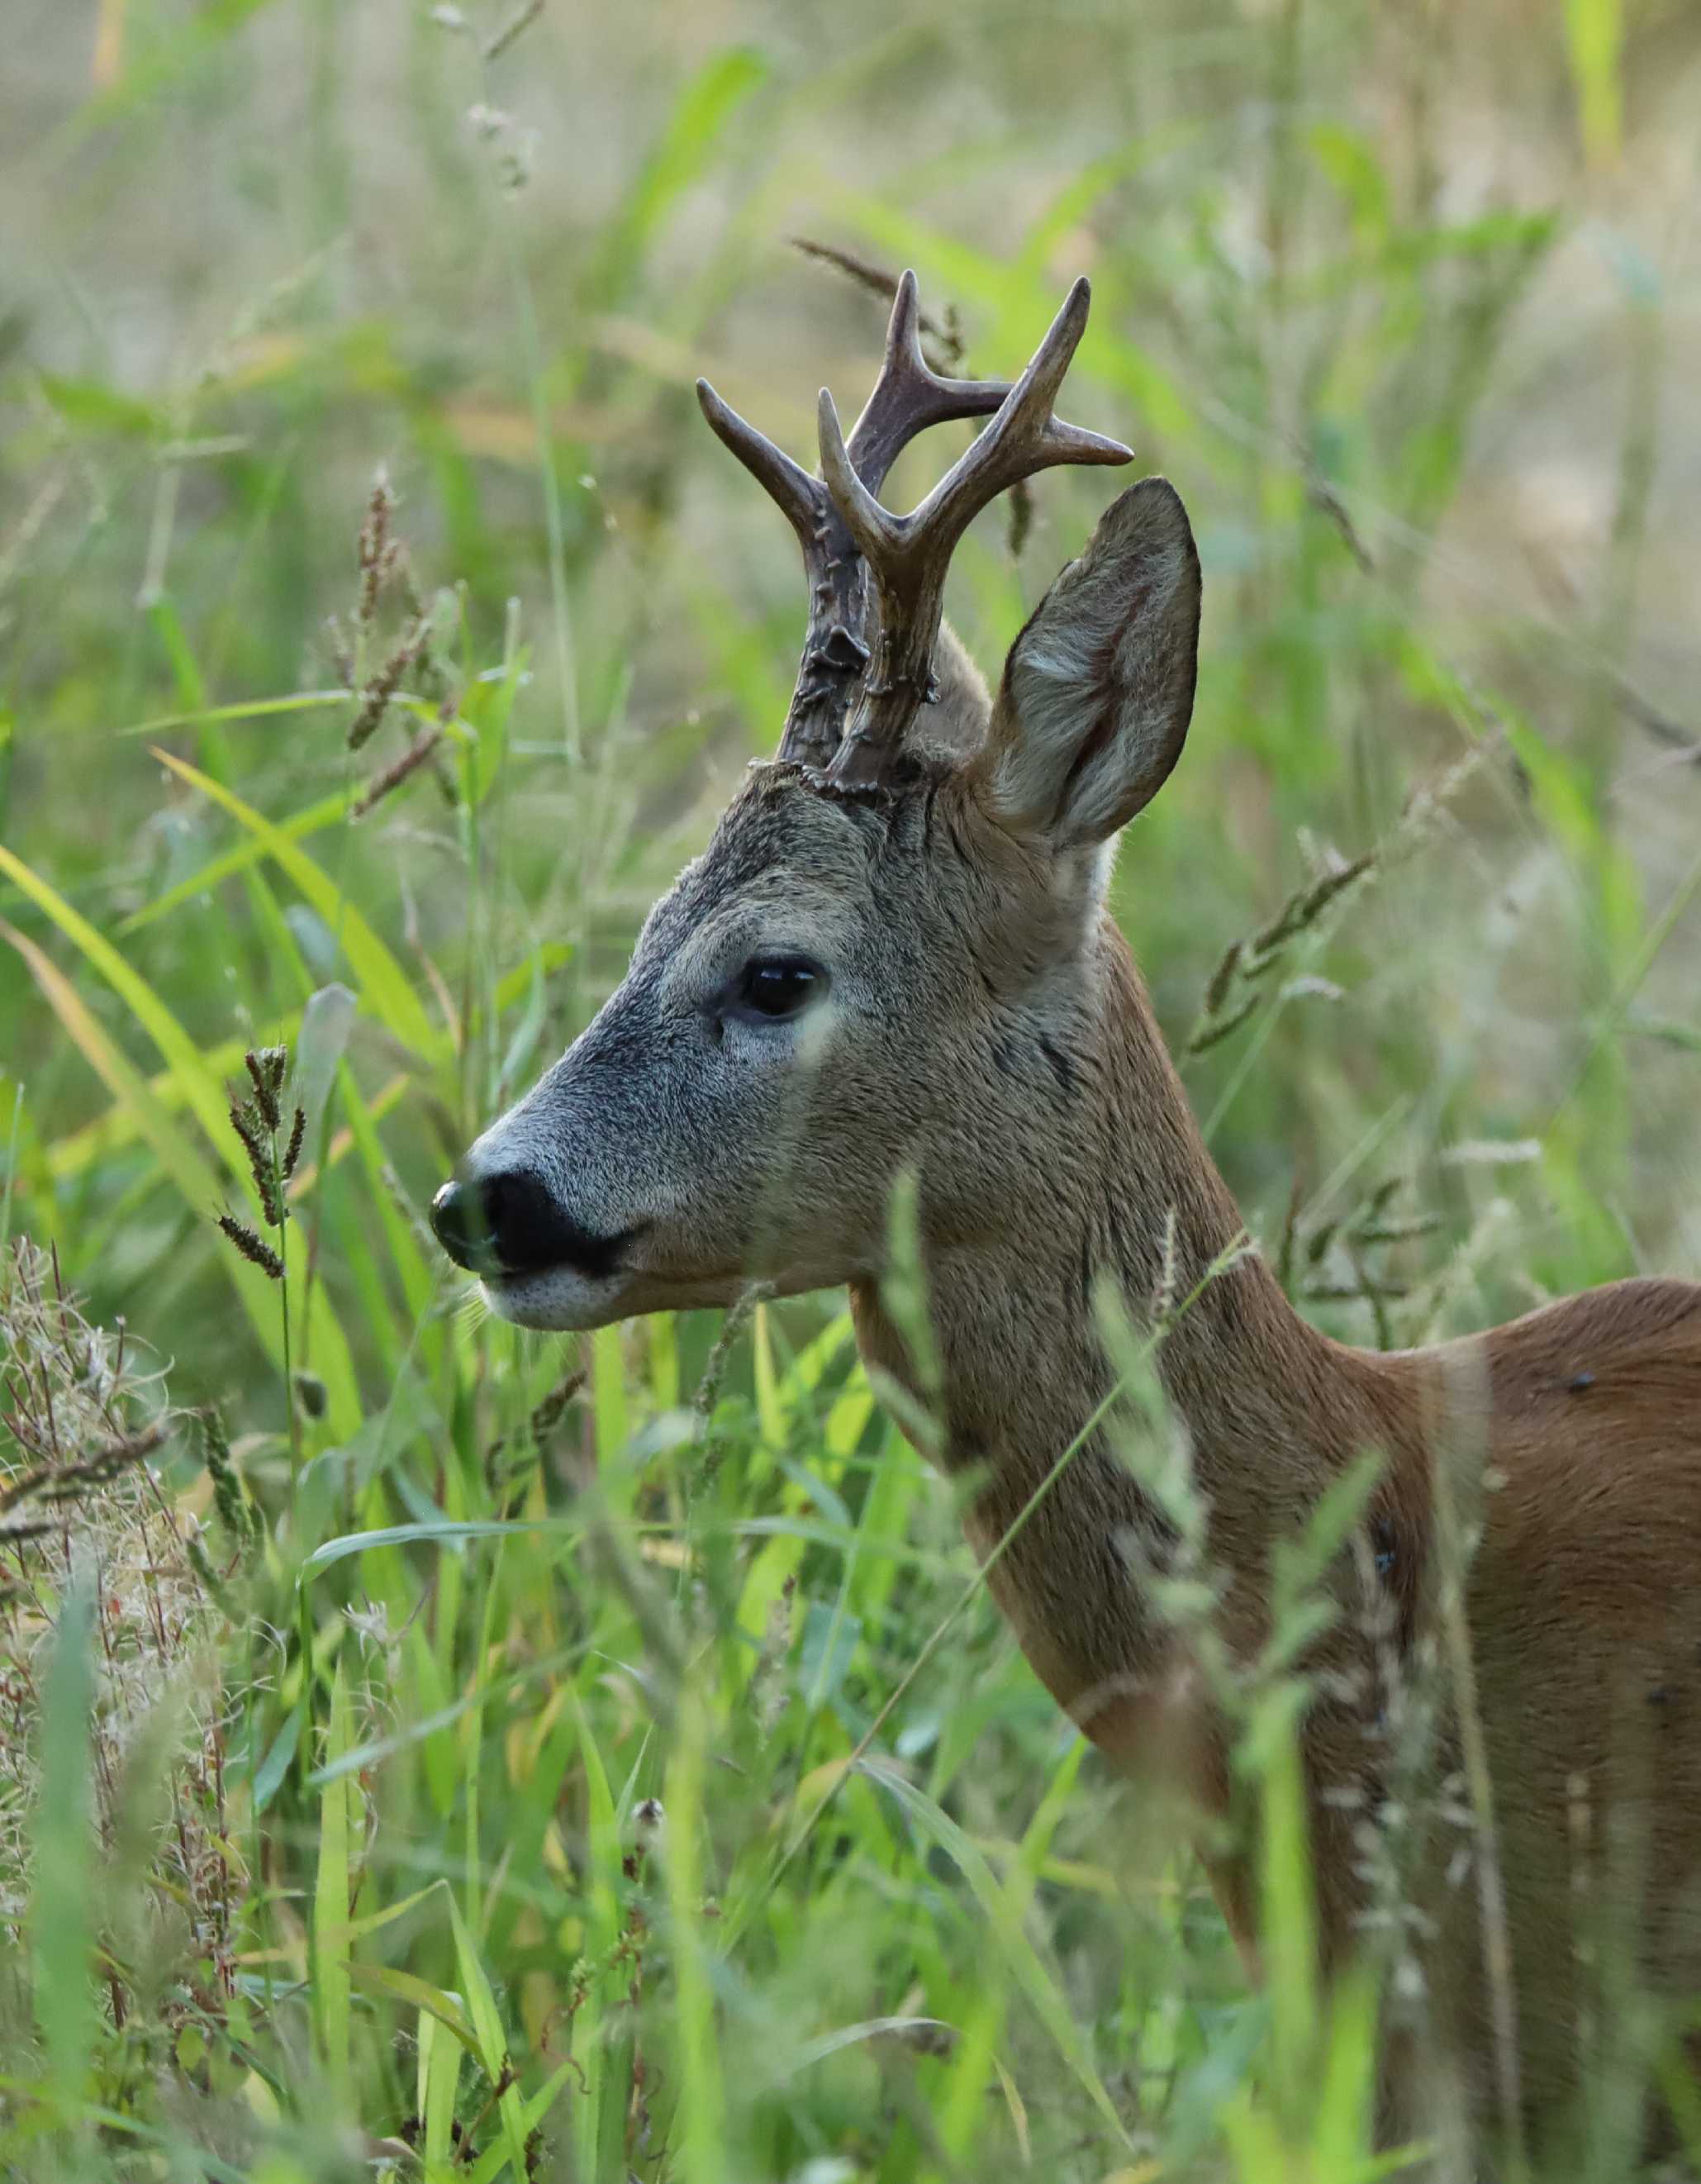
x: 887, y: 936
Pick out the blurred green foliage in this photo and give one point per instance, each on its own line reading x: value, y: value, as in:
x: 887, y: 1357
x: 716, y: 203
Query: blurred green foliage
x: 1391, y: 297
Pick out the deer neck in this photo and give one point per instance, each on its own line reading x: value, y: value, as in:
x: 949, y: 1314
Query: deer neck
x: 1115, y: 1183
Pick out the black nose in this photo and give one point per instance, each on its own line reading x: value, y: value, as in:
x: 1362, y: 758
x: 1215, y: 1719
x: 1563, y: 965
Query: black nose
x: 511, y: 1224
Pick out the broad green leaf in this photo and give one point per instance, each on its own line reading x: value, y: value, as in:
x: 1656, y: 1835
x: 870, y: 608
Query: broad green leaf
x: 702, y: 2092
x: 139, y: 1101
x: 486, y: 709
x: 325, y: 1023
x: 90, y: 407
x: 676, y: 160
x: 418, y: 1282
x: 270, y: 1774
x: 247, y: 709
x: 74, y: 1153
x: 374, y: 1921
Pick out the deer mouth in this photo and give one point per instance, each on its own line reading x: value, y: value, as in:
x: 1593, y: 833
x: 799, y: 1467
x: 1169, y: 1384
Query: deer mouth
x: 568, y: 1299
x: 601, y: 1261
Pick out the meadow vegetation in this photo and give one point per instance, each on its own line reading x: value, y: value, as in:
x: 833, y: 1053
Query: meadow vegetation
x: 431, y: 1751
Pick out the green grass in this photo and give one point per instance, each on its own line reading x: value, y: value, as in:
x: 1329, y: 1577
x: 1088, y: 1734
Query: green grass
x: 628, y: 1775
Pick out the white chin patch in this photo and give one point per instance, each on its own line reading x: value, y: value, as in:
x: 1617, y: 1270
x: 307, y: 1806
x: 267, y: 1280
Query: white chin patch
x: 560, y: 1300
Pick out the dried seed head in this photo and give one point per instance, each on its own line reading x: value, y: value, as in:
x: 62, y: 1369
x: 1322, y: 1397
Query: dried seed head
x: 942, y: 338
x: 733, y: 1326
x: 341, y: 654
x: 397, y: 569
x: 1019, y: 517
x: 1216, y: 993
x: 68, y: 1480
x: 380, y: 785
x: 375, y: 536
x: 1208, y: 1034
x: 547, y: 1413
x: 374, y: 698
x: 1163, y: 1295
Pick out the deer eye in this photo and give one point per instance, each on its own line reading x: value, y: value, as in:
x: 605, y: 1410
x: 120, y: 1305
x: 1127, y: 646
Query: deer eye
x: 776, y: 986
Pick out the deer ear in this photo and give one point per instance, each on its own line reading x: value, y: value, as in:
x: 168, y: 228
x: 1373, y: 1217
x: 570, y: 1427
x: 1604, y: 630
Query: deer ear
x: 1099, y: 689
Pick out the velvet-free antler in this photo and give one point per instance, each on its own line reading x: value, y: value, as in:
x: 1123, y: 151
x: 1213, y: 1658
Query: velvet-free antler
x: 908, y: 397
x: 908, y: 556
x: 876, y: 580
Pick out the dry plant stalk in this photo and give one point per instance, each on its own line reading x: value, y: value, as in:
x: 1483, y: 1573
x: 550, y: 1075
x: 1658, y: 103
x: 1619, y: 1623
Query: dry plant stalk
x: 80, y: 1504
x: 1236, y: 985
x: 1239, y: 983
x: 372, y: 669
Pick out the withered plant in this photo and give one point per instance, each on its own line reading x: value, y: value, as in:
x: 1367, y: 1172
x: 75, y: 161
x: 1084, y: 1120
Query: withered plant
x: 86, y: 1514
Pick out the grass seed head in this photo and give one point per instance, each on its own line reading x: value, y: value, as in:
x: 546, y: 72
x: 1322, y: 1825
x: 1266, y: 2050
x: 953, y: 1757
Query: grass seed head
x: 398, y: 771
x: 252, y: 1247
x: 266, y: 1066
x: 297, y: 1131
x: 249, y: 1124
x: 374, y: 539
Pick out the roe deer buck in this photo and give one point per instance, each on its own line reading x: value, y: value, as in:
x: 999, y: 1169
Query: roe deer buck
x: 894, y: 956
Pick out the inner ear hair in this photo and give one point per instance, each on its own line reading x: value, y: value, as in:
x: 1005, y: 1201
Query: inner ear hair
x: 1098, y: 690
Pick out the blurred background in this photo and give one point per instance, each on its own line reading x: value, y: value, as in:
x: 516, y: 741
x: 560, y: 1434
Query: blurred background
x: 1405, y: 301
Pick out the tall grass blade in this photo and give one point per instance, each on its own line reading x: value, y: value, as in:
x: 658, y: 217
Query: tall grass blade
x: 375, y: 971
x: 62, y: 1909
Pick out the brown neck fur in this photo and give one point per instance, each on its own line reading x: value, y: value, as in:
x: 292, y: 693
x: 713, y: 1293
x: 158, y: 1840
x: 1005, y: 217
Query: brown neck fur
x: 1271, y: 1407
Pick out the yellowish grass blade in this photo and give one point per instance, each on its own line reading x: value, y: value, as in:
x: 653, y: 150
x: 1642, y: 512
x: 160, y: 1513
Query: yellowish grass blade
x: 376, y: 970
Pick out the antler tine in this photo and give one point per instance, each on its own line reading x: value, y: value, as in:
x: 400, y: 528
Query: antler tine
x: 908, y: 555
x: 1022, y: 439
x: 909, y: 395
x: 781, y: 479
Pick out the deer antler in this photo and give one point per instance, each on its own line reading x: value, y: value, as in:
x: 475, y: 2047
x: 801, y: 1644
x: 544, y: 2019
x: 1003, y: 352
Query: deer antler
x: 907, y: 555
x: 908, y: 397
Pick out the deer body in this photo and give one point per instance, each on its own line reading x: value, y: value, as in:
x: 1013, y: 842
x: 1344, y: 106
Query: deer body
x: 1583, y: 1605
x: 894, y: 957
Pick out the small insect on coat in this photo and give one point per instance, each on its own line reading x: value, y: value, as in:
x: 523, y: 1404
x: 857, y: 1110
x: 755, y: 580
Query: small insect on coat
x: 894, y: 958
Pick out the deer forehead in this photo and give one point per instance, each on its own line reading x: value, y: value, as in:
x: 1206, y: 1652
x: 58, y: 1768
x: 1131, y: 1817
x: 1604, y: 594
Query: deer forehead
x: 920, y: 886
x: 784, y: 867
